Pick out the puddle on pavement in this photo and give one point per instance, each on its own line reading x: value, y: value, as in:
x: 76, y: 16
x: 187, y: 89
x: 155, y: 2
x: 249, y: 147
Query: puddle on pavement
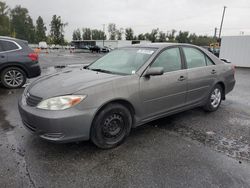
x: 235, y: 148
x: 4, y: 124
x: 3, y: 91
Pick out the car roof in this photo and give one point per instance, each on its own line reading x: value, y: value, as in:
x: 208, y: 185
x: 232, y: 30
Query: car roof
x: 14, y: 39
x: 161, y: 45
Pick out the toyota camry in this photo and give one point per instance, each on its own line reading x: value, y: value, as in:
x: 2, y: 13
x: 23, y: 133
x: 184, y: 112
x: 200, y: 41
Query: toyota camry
x: 122, y: 90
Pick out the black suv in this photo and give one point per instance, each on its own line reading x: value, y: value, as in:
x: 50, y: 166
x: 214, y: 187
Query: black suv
x: 95, y: 49
x: 17, y: 62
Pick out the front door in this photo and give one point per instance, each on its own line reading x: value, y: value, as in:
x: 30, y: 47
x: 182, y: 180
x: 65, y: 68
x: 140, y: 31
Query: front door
x: 160, y: 94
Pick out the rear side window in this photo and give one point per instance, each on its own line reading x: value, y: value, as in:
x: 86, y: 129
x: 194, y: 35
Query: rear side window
x: 169, y: 59
x: 194, y: 58
x: 8, y: 45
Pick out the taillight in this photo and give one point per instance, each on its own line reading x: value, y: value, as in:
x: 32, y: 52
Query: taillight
x: 33, y: 56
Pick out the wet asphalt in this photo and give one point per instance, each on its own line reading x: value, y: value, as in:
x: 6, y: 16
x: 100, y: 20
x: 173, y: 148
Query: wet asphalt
x: 189, y: 149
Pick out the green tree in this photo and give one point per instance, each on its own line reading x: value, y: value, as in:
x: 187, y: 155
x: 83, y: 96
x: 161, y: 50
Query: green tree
x: 171, y: 36
x: 86, y: 34
x: 57, y: 30
x: 21, y: 24
x: 98, y: 34
x: 77, y: 35
x: 119, y: 33
x: 129, y: 34
x: 141, y: 36
x: 183, y: 37
x: 40, y: 30
x: 112, y: 31
x: 201, y: 40
x: 4, y: 19
x: 153, y: 35
x: 30, y: 30
x: 147, y: 36
x: 162, y: 37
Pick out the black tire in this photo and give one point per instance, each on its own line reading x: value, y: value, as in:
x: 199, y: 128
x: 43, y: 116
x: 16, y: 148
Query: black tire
x: 214, y: 99
x: 18, y: 76
x: 111, y: 126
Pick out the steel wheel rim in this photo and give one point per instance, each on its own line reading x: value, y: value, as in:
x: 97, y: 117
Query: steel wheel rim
x: 215, y: 98
x: 113, y: 127
x: 13, y: 78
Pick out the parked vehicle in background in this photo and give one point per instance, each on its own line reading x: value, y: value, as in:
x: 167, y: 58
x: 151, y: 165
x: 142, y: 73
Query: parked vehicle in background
x: 43, y: 45
x: 95, y: 49
x: 17, y: 62
x: 52, y: 46
x: 125, y: 88
x: 105, y: 49
x: 68, y: 47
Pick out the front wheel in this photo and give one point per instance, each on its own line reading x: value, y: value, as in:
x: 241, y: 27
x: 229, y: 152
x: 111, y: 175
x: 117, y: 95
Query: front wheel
x: 214, y: 99
x: 111, y: 126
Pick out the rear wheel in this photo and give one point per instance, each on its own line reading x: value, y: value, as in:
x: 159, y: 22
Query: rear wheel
x: 214, y: 99
x: 111, y: 126
x: 13, y: 77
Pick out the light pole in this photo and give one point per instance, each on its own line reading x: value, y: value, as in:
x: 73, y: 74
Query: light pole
x: 215, y: 32
x: 103, y: 34
x: 224, y: 9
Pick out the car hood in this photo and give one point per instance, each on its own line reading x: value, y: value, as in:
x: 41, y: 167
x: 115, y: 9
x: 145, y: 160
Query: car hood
x: 67, y: 82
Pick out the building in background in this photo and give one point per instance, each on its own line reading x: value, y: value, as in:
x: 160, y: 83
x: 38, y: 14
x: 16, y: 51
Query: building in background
x: 236, y: 49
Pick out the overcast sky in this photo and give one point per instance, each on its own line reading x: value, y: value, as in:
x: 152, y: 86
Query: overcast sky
x: 199, y: 16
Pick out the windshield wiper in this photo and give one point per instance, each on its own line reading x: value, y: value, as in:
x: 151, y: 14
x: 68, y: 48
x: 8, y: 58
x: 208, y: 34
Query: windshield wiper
x: 107, y: 71
x: 102, y: 70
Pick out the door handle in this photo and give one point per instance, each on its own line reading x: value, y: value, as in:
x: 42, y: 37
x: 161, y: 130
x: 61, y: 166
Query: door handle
x: 213, y: 71
x: 2, y: 56
x: 181, y: 78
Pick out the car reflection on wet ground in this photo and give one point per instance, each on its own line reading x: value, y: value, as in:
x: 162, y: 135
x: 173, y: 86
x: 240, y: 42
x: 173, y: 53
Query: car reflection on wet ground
x: 189, y: 149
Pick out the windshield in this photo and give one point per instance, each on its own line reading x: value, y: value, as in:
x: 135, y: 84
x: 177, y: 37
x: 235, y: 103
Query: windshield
x: 123, y: 61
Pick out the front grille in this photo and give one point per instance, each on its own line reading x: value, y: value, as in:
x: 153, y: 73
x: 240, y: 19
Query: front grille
x: 29, y: 126
x: 32, y: 100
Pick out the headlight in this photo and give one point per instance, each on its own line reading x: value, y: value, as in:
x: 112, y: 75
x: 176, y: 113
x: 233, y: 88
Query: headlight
x: 61, y: 102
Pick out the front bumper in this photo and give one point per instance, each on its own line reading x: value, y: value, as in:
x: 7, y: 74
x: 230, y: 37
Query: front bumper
x: 57, y: 126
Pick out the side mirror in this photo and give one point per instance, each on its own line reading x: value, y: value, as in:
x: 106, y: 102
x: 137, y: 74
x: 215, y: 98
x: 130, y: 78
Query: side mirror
x: 154, y: 71
x: 86, y: 65
x: 225, y: 60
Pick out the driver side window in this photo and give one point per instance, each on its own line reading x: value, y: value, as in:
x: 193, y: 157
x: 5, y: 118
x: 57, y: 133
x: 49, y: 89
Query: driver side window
x: 169, y: 59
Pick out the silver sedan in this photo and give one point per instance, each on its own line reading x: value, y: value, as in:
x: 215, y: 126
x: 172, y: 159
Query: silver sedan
x: 122, y: 90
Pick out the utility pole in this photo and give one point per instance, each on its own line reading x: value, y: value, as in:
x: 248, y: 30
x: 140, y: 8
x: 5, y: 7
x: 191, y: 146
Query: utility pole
x: 224, y: 9
x: 215, y: 32
x: 103, y: 34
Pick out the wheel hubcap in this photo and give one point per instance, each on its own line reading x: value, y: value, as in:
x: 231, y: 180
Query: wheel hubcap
x: 215, y: 98
x: 13, y: 78
x: 113, y: 126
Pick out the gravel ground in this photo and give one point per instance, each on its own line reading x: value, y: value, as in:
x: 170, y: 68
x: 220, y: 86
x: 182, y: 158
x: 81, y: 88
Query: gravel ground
x: 189, y: 149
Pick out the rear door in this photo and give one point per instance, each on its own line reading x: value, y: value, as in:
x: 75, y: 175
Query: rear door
x: 166, y: 92
x: 201, y: 73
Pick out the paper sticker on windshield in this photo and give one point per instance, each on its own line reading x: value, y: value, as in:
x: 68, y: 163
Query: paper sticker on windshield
x: 145, y: 51
x: 133, y: 71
